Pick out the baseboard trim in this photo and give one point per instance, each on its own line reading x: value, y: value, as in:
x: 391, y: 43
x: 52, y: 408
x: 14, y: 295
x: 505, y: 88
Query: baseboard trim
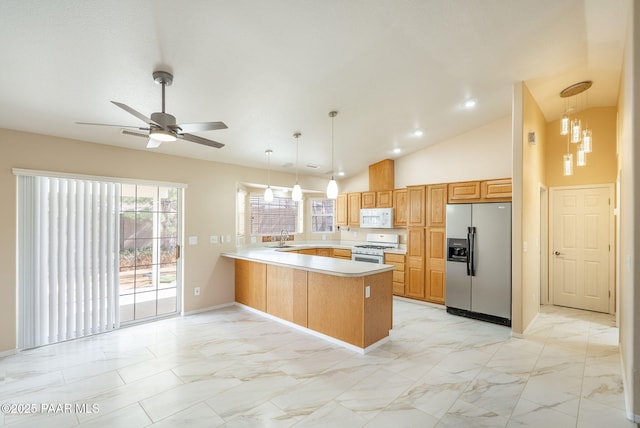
x: 8, y: 353
x: 315, y: 333
x: 210, y: 308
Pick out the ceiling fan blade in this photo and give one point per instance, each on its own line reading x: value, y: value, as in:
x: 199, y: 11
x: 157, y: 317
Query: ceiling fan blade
x: 202, y: 126
x: 153, y: 144
x: 109, y: 124
x: 135, y: 134
x: 136, y: 113
x: 200, y: 140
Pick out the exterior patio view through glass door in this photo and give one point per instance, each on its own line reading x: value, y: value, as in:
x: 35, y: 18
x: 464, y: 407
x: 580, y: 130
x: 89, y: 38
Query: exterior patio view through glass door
x: 149, y: 251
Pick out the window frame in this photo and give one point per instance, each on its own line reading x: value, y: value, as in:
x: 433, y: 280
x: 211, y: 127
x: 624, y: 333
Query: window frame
x: 332, y: 215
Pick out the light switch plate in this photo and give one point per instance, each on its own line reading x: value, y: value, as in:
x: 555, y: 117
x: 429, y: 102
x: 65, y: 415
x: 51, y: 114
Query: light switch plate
x: 193, y: 240
x: 213, y: 239
x: 367, y: 291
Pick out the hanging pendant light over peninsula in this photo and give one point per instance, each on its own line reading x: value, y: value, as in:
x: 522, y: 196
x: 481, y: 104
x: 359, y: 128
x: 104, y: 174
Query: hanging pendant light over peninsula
x: 332, y: 187
x: 268, y: 193
x: 296, y: 193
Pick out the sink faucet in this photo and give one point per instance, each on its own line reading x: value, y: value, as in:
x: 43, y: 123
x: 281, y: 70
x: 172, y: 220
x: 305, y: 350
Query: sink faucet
x: 284, y: 236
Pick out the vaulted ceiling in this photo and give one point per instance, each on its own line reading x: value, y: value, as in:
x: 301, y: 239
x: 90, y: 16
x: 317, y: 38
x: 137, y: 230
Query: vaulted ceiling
x: 269, y: 68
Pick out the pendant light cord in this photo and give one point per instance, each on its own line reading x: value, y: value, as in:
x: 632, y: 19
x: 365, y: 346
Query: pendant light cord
x: 297, y: 135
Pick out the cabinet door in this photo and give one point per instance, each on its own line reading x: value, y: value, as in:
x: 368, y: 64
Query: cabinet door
x: 400, y: 207
x: 324, y: 252
x: 464, y: 192
x: 496, y: 190
x: 368, y: 199
x: 415, y: 206
x: 341, y: 253
x: 251, y: 284
x: 414, y: 266
x: 353, y: 212
x: 341, y: 210
x: 384, y: 199
x: 437, y: 205
x: 436, y: 265
x: 309, y: 251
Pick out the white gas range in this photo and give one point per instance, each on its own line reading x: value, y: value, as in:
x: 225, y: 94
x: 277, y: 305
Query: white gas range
x: 373, y: 250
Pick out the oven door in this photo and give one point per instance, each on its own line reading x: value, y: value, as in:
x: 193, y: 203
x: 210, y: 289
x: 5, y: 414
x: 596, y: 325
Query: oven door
x: 369, y: 258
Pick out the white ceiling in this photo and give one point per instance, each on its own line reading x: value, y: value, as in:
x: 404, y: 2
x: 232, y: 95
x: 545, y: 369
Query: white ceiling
x: 269, y: 68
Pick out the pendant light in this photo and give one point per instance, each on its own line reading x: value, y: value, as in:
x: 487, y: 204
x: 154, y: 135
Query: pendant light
x: 296, y: 193
x: 268, y: 194
x: 572, y: 128
x: 332, y: 187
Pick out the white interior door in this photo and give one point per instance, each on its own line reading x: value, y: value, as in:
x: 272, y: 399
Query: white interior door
x: 581, y: 245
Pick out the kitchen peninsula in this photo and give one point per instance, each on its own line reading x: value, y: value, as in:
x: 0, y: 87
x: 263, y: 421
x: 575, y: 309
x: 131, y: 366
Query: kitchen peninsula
x: 345, y: 300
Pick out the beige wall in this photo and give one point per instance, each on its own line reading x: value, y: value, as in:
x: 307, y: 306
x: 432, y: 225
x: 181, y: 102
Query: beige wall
x: 629, y: 119
x: 454, y: 159
x: 533, y: 179
x: 601, y: 163
x: 209, y: 207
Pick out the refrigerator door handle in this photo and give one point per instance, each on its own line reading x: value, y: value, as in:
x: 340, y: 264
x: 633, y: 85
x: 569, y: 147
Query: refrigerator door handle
x: 471, y: 260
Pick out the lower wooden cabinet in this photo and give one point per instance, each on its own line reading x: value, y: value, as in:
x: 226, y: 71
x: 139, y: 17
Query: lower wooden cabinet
x: 397, y: 260
x: 414, y: 267
x: 251, y: 284
x: 309, y: 251
x: 324, y: 252
x: 286, y: 292
x: 436, y: 265
x: 341, y: 253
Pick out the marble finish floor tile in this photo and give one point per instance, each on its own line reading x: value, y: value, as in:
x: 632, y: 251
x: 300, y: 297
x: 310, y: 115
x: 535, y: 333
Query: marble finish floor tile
x: 233, y: 368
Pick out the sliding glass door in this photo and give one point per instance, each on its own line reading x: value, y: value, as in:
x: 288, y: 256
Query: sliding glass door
x: 149, y: 251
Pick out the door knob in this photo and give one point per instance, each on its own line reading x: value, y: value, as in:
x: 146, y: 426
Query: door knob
x: 557, y: 253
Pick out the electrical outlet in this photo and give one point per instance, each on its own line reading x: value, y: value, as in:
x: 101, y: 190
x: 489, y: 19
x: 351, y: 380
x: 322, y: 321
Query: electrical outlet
x: 213, y: 239
x: 196, y: 291
x: 367, y: 291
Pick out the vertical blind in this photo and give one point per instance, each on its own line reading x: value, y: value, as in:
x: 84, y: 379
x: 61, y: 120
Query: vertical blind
x: 68, y: 259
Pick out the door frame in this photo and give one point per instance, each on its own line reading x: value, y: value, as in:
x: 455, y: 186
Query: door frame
x: 544, y: 244
x: 612, y: 251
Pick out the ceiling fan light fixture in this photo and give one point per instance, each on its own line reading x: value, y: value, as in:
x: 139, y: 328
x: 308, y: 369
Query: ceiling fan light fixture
x: 162, y: 135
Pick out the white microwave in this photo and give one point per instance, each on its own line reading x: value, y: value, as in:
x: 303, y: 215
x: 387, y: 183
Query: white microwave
x: 376, y: 218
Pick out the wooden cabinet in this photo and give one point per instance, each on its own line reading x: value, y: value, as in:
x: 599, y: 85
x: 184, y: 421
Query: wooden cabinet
x: 354, y: 203
x: 251, y: 284
x: 499, y: 190
x: 400, y: 208
x: 341, y: 253
x: 436, y: 205
x: 414, y: 268
x: 286, y: 294
x: 341, y: 207
x: 309, y: 251
x: 397, y: 260
x: 435, y: 265
x: 468, y: 191
x: 384, y: 199
x: 415, y: 206
x: 368, y: 200
x: 381, y: 175
x: 324, y: 252
x: 496, y: 190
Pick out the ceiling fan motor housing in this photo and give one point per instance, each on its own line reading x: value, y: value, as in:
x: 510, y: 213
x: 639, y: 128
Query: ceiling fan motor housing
x: 165, y: 120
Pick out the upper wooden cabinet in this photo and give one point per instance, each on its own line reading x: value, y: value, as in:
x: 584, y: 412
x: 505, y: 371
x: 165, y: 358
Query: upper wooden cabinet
x: 464, y: 192
x: 480, y: 191
x: 496, y: 190
x: 341, y: 210
x: 381, y: 176
x: 384, y: 199
x: 415, y: 206
x: 354, y: 203
x: 436, y: 205
x: 368, y: 199
x: 400, y: 207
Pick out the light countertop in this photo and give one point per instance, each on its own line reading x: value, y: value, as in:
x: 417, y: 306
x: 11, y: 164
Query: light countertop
x: 319, y: 264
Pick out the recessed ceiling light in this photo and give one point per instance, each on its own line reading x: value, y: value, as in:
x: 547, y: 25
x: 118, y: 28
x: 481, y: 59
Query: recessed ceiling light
x: 397, y: 150
x: 341, y: 173
x: 470, y: 103
x: 418, y: 133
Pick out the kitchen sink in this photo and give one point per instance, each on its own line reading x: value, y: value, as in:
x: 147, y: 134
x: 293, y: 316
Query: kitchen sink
x: 281, y: 246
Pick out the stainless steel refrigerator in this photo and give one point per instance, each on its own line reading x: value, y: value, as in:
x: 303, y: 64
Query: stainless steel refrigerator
x: 479, y: 261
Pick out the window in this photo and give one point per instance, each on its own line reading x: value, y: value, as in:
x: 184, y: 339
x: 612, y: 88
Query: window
x: 270, y: 218
x: 322, y: 215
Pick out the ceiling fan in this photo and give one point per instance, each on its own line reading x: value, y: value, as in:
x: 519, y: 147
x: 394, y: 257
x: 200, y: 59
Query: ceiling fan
x: 162, y: 127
